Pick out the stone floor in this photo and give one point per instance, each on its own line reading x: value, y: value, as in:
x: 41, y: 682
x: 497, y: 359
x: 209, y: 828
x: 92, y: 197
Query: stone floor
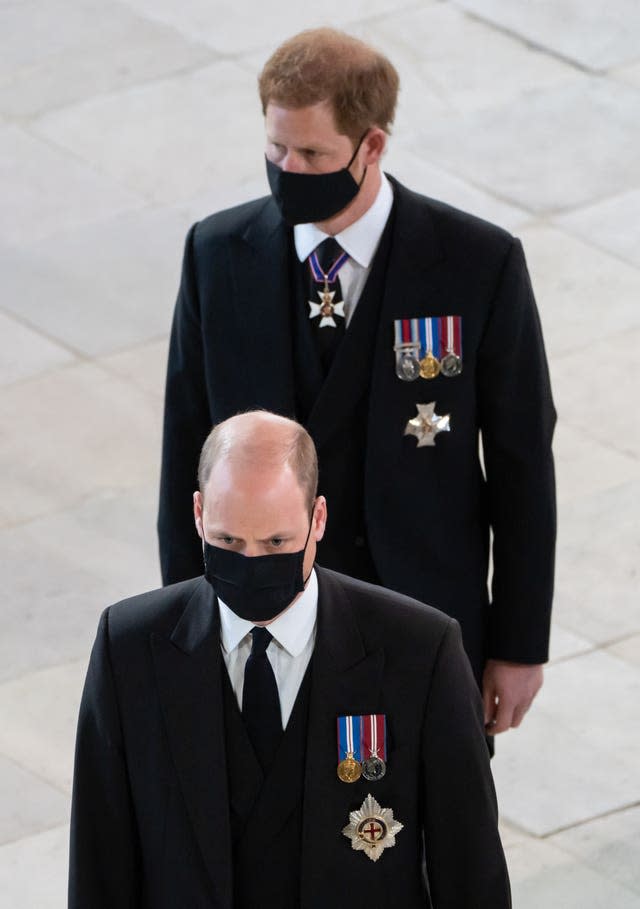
x: 121, y: 123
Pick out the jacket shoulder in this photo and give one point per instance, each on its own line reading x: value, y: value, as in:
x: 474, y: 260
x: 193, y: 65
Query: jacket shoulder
x: 452, y: 225
x: 231, y: 221
x: 153, y: 611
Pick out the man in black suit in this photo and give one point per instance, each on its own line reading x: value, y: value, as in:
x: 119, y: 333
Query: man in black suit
x: 417, y: 336
x: 187, y: 791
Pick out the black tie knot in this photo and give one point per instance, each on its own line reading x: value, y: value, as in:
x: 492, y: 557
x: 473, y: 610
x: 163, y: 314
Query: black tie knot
x: 327, y: 252
x: 261, y: 640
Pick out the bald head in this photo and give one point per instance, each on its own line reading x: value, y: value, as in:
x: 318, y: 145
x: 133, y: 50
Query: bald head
x: 260, y: 439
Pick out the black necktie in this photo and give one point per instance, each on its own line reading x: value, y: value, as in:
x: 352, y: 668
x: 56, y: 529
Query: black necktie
x: 329, y: 323
x: 260, y: 701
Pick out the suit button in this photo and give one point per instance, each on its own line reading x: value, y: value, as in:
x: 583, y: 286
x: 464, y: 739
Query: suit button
x: 359, y: 541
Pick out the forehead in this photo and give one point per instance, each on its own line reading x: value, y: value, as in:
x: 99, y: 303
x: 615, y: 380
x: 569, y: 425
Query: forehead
x: 315, y: 122
x: 254, y: 486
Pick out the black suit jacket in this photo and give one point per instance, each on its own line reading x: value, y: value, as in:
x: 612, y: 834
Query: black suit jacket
x: 427, y: 510
x: 150, y: 821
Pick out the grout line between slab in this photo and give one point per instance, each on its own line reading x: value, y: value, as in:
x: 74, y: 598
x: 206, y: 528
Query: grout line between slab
x: 596, y: 817
x: 535, y: 45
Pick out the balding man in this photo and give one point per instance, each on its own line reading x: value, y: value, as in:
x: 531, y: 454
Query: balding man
x: 276, y: 735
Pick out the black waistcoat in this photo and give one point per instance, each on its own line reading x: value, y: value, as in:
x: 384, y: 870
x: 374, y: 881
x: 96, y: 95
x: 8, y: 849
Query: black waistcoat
x: 266, y: 813
x: 342, y: 455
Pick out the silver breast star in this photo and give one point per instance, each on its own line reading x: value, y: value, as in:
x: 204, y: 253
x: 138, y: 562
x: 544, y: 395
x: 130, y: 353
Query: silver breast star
x: 372, y: 829
x: 426, y: 426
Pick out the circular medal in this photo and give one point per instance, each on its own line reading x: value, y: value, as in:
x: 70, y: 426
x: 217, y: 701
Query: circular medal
x: 374, y: 768
x: 451, y: 365
x: 372, y: 830
x: 349, y: 770
x: 429, y: 366
x: 407, y: 367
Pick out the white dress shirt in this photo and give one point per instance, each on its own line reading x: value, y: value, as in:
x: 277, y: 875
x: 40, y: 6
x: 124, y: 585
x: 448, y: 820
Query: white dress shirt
x: 360, y: 240
x: 294, y: 634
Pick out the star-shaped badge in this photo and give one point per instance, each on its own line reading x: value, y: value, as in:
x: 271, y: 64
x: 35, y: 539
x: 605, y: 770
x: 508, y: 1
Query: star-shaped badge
x: 426, y: 426
x: 326, y: 308
x: 372, y: 829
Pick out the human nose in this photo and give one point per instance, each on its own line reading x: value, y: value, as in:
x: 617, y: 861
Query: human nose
x: 292, y: 163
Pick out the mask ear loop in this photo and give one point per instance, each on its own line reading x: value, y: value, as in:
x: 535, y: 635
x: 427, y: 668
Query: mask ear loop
x: 306, y: 542
x: 353, y: 157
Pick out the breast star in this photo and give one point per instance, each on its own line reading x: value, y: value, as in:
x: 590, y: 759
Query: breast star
x: 426, y: 426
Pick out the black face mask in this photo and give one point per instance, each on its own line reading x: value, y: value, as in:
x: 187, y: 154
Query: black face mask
x: 256, y: 588
x: 309, y: 198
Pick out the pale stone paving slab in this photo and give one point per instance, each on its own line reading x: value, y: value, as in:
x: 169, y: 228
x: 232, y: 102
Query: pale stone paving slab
x: 40, y: 715
x: 628, y: 74
x: 460, y: 63
x: 29, y: 805
x: 145, y: 366
x: 44, y: 65
x: 100, y: 433
x: 241, y: 26
x: 555, y: 149
x: 586, y: 465
x: 62, y: 570
x: 627, y: 649
x: 613, y: 225
x: 33, y: 871
x: 598, y: 388
x: 542, y: 876
x: 597, y: 561
x: 611, y: 845
x: 575, y: 286
x: 44, y: 189
x: 573, y: 758
x: 24, y: 353
x: 103, y: 287
x: 170, y: 139
x: 598, y: 34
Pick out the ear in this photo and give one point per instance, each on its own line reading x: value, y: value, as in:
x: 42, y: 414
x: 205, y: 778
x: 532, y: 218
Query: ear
x: 319, y: 518
x: 373, y: 145
x: 198, y: 506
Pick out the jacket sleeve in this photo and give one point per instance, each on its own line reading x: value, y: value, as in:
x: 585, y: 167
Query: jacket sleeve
x: 187, y: 423
x: 517, y: 419
x: 104, y: 852
x: 465, y: 861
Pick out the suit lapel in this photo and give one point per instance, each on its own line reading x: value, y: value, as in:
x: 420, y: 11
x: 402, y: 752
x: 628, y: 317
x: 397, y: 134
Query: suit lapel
x: 188, y: 669
x: 262, y: 280
x: 346, y: 679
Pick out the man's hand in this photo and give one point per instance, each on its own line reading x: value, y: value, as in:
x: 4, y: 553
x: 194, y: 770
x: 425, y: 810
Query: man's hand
x: 507, y: 692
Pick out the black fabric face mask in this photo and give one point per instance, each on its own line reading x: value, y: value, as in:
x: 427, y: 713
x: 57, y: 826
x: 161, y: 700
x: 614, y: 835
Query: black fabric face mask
x: 309, y: 198
x: 256, y: 588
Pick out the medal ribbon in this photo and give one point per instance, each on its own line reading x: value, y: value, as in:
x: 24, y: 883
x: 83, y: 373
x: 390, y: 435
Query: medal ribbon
x: 374, y: 736
x: 349, y: 735
x: 407, y: 331
x: 451, y: 332
x: 430, y: 335
x: 332, y: 274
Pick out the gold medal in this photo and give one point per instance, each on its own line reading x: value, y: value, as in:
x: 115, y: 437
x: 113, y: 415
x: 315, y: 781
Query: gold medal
x: 349, y: 770
x: 429, y: 366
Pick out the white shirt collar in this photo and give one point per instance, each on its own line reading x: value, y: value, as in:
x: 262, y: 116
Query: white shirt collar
x: 291, y: 630
x: 360, y: 239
